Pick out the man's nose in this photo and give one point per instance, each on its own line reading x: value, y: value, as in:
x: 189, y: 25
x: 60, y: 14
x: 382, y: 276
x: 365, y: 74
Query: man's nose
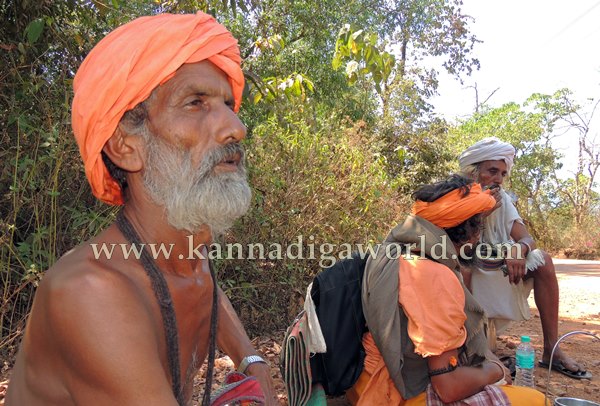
x: 498, y: 179
x: 231, y: 129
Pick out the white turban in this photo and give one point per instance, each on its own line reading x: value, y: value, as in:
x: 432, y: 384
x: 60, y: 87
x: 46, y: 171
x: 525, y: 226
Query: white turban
x: 488, y: 149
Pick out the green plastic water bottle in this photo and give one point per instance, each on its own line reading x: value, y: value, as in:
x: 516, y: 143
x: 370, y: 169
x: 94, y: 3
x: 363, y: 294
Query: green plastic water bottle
x: 525, y: 357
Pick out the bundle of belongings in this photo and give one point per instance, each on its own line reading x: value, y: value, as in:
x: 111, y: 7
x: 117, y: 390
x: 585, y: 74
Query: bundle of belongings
x: 322, y: 352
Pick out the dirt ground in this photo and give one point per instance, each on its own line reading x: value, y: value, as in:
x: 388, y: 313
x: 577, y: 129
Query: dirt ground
x: 579, y: 283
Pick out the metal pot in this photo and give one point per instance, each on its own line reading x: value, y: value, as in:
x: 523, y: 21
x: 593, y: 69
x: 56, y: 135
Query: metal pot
x: 568, y: 401
x: 573, y: 402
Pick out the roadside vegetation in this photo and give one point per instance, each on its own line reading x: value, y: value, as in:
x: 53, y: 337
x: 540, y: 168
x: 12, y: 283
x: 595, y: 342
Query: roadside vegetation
x: 340, y: 131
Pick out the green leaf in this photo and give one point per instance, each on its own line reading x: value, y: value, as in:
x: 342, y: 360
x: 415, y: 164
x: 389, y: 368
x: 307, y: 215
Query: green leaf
x: 344, y: 50
x: 296, y: 88
x: 368, y: 54
x: 377, y: 79
x: 373, y: 38
x: 336, y: 62
x: 34, y: 30
x: 309, y: 85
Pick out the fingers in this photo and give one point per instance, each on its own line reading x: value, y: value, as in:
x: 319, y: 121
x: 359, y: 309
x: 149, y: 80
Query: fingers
x: 495, y: 193
x: 262, y: 373
x: 516, y: 270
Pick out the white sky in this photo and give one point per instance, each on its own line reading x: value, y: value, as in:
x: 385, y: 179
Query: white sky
x: 529, y: 46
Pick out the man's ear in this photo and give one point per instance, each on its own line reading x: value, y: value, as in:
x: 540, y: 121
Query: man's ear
x: 126, y: 150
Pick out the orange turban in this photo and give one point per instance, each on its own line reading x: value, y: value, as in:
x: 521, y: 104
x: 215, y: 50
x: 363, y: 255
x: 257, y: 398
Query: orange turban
x: 123, y: 69
x: 452, y: 209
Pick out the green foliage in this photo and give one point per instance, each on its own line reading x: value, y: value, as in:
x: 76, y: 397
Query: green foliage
x: 272, y: 88
x: 325, y: 181
x: 41, y: 174
x: 431, y: 28
x: 340, y: 132
x: 529, y: 132
x: 560, y: 213
x: 46, y: 207
x: 361, y: 52
x: 421, y: 157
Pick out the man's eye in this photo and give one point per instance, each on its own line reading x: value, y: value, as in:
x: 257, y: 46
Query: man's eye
x: 230, y: 104
x: 196, y: 102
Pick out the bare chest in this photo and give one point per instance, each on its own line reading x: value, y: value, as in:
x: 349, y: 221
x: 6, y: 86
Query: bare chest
x: 192, y: 304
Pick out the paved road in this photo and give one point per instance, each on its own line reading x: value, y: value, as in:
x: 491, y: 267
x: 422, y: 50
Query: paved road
x: 579, y: 284
x: 577, y: 267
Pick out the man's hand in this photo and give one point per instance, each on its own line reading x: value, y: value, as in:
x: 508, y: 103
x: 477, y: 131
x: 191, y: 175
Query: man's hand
x: 516, y: 266
x: 233, y: 340
x: 262, y: 373
x: 490, y: 356
x: 495, y: 193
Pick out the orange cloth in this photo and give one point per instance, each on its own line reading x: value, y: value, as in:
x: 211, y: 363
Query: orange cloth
x: 434, y: 302
x: 123, y: 69
x: 434, y: 286
x: 433, y: 299
x: 517, y: 395
x: 452, y: 209
x: 379, y: 390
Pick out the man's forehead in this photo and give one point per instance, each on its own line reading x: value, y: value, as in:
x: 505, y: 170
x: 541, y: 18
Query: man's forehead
x: 198, y: 77
x: 499, y: 165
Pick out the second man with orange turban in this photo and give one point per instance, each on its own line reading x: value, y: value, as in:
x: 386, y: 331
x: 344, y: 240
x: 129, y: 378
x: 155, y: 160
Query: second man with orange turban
x: 426, y: 343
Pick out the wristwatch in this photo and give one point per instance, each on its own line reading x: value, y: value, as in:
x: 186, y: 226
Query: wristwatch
x: 250, y: 359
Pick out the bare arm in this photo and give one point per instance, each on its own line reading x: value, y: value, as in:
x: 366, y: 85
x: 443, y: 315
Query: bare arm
x: 492, y: 357
x: 107, y: 343
x: 234, y: 341
x: 463, y: 381
x: 519, y: 233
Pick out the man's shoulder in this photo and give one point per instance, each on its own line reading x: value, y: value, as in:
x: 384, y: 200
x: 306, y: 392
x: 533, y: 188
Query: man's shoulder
x: 80, y: 276
x: 96, y: 260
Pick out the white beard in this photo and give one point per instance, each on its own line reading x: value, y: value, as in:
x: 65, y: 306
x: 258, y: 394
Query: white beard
x: 196, y: 197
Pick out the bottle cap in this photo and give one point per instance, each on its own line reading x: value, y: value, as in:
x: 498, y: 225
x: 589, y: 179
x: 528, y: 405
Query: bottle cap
x: 525, y: 339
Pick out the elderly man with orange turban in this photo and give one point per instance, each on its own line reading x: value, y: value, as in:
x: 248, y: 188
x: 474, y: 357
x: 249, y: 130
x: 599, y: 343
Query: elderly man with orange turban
x: 426, y: 343
x: 129, y: 317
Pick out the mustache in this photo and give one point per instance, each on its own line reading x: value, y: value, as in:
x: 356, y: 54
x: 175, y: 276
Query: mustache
x: 218, y: 155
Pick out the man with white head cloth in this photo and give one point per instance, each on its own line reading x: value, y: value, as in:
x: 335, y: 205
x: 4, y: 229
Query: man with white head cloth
x: 488, y: 162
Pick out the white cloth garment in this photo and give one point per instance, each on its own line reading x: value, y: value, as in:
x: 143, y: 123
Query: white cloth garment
x: 502, y: 300
x: 488, y: 149
x: 316, y: 341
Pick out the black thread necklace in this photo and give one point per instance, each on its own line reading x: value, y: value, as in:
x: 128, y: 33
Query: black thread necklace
x: 167, y: 311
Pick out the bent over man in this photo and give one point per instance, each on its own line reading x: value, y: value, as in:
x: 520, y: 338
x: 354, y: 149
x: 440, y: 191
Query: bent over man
x: 154, y: 114
x: 489, y: 162
x: 426, y: 343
